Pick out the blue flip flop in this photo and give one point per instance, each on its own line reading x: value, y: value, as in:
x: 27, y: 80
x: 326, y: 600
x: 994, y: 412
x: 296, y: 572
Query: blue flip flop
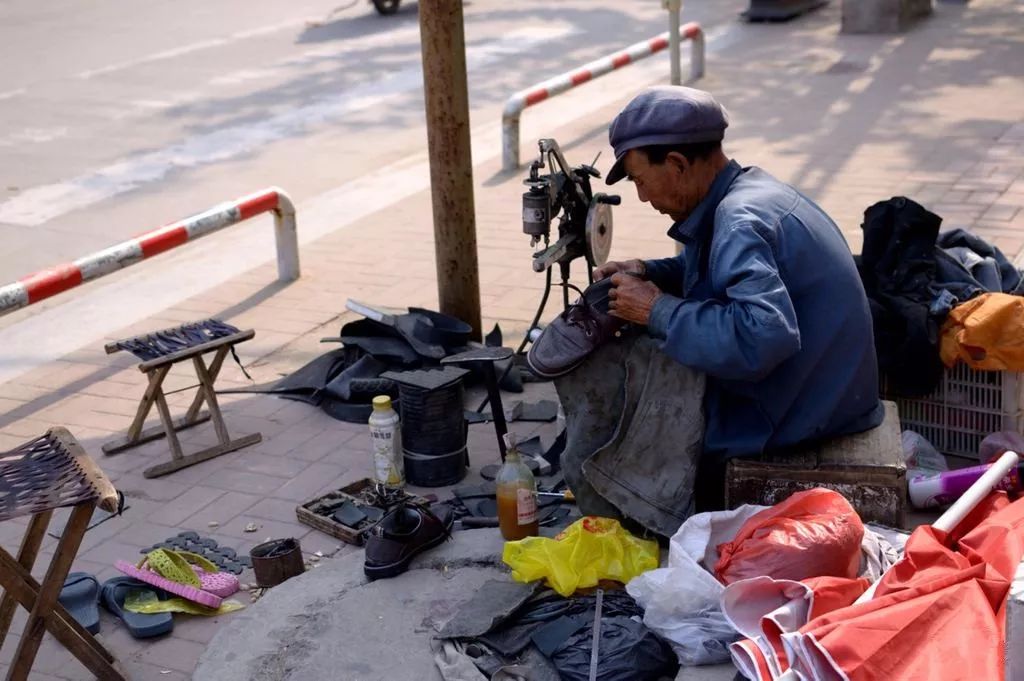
x: 78, y: 596
x: 140, y: 625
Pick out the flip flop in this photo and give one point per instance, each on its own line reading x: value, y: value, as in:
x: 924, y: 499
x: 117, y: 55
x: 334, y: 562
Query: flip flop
x: 173, y: 571
x: 78, y: 596
x: 139, y: 625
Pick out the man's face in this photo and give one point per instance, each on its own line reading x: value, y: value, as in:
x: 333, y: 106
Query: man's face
x: 670, y: 187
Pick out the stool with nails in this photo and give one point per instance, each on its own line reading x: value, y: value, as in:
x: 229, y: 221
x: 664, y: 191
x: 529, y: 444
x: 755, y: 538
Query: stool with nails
x: 159, y: 352
x: 484, y: 359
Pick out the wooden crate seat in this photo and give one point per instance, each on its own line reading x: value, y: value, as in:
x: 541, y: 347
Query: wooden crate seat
x: 866, y: 468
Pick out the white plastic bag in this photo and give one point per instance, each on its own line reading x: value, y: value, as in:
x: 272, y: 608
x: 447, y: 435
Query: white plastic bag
x: 681, y: 601
x: 920, y: 455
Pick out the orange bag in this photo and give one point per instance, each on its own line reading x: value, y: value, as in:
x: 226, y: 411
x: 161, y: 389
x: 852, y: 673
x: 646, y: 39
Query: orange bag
x: 815, y: 533
x: 985, y: 332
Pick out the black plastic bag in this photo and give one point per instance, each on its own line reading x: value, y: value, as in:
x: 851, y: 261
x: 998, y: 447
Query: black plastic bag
x: 629, y: 651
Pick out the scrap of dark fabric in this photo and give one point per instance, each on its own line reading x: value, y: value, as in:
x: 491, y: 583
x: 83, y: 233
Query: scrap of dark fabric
x: 344, y: 381
x: 913, y: 277
x: 897, y: 266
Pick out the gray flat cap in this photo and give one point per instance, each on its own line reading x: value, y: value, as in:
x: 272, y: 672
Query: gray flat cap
x: 666, y: 114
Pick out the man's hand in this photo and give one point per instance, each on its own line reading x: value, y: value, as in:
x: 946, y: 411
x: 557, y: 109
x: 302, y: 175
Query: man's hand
x: 635, y: 266
x: 632, y: 298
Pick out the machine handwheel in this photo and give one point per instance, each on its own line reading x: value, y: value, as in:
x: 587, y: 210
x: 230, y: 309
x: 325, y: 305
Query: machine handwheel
x: 599, y: 233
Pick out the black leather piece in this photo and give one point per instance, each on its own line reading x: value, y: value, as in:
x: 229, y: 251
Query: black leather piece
x: 307, y: 381
x: 552, y: 635
x: 554, y: 454
x: 481, y: 491
x: 488, y: 607
x: 511, y: 640
x: 414, y: 330
x: 384, y: 348
x: 349, y: 514
x: 347, y: 411
x: 441, y: 329
x: 493, y: 339
x: 340, y: 387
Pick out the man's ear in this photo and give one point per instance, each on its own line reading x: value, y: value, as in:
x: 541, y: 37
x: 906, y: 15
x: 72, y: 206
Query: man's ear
x: 678, y: 160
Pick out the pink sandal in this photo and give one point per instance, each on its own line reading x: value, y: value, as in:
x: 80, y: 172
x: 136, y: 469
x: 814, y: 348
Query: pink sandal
x: 184, y: 574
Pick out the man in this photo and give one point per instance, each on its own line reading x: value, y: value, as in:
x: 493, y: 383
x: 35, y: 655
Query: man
x: 764, y: 300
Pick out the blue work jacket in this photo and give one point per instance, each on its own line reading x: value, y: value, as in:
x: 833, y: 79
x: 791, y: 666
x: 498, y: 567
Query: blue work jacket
x: 765, y: 299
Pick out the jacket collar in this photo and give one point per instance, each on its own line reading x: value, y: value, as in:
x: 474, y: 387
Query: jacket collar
x: 702, y: 219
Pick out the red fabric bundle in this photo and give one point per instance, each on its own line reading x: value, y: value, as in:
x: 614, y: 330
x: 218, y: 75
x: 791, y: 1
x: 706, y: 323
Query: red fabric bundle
x: 815, y: 533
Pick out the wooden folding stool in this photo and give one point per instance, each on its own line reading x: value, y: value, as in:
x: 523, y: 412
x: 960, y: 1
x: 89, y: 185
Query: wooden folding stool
x: 47, y: 473
x: 156, y: 370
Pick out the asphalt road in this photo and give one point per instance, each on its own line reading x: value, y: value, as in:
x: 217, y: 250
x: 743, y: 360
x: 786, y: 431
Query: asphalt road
x: 122, y: 116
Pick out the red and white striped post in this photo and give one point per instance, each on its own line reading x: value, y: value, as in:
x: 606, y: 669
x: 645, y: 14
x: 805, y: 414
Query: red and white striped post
x: 566, y: 81
x: 49, y: 282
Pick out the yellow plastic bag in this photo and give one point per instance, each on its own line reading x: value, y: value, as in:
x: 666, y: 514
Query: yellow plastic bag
x: 589, y: 550
x: 145, y: 601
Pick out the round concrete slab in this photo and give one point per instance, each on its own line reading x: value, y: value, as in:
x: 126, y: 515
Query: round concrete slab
x: 331, y: 623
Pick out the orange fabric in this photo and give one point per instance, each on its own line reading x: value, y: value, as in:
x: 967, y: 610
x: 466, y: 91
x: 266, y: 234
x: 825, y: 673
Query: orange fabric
x: 937, y: 615
x: 986, y: 332
x: 935, y: 633
x: 832, y: 593
x: 814, y: 533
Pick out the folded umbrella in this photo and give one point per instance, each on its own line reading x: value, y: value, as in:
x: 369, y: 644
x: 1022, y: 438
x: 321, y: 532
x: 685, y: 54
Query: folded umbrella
x: 938, y: 614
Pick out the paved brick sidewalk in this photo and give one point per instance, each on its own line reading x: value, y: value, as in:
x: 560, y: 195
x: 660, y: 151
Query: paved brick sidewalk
x: 937, y: 114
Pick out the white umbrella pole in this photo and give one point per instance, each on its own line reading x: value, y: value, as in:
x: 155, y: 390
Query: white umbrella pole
x: 964, y: 505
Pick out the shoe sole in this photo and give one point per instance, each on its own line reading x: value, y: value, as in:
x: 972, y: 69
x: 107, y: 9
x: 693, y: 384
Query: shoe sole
x: 374, y: 572
x: 544, y: 374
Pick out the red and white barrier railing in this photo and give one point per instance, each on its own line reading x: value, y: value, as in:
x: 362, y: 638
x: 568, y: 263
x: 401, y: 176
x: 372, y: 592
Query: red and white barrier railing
x: 566, y: 81
x: 49, y: 282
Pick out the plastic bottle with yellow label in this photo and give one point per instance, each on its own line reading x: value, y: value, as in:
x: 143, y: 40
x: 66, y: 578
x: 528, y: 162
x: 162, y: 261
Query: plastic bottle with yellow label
x: 386, y: 440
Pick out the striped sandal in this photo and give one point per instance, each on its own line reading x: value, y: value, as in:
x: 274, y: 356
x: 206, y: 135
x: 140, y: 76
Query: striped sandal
x: 184, y: 574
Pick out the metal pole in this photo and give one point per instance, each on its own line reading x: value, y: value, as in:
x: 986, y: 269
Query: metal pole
x: 697, y: 56
x: 674, y: 8
x: 451, y: 166
x: 286, y: 236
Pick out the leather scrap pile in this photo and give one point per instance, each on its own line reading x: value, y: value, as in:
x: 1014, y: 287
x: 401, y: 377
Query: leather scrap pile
x: 344, y: 381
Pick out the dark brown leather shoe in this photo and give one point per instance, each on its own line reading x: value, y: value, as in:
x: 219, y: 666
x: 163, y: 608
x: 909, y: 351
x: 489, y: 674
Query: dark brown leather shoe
x: 575, y: 333
x: 402, y: 534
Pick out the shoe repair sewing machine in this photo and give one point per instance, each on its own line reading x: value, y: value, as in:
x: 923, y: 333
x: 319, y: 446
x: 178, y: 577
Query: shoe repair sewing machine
x: 585, y: 226
x: 584, y: 231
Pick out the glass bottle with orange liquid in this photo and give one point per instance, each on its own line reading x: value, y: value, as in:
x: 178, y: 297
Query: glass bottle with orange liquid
x: 517, y: 495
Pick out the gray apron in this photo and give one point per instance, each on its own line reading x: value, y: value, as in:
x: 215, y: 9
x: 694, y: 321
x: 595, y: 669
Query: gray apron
x: 634, y: 424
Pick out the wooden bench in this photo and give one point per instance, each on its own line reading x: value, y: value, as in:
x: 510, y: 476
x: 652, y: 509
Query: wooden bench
x: 866, y: 468
x: 50, y: 472
x: 156, y: 369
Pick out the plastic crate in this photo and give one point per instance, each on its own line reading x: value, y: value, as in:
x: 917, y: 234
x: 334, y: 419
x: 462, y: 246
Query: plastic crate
x: 968, y: 405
